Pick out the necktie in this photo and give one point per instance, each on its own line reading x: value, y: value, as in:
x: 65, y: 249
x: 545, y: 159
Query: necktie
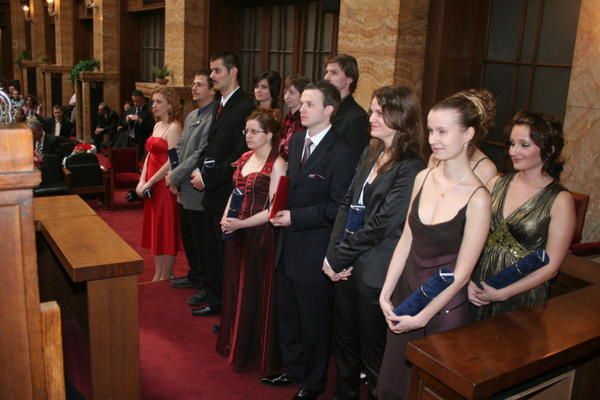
x: 306, y: 153
x: 38, y: 148
x: 219, y: 110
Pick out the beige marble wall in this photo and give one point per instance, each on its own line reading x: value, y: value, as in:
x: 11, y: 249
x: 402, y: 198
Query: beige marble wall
x: 106, y: 35
x: 387, y: 38
x: 64, y: 30
x: 185, y: 39
x: 38, y: 41
x: 17, y: 31
x: 582, y: 118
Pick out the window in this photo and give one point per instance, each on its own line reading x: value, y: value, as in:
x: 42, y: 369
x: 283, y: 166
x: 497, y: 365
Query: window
x: 152, y: 30
x: 287, y: 38
x: 528, y: 57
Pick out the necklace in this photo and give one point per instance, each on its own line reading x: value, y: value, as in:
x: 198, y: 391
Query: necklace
x: 451, y: 186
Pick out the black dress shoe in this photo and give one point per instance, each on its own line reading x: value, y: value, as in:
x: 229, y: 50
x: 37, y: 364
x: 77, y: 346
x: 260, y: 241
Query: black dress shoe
x: 278, y: 380
x: 198, y: 298
x: 205, y: 311
x: 305, y: 394
x: 182, y: 283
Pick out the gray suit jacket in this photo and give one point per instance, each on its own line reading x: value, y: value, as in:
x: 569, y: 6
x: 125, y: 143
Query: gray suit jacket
x: 193, y: 141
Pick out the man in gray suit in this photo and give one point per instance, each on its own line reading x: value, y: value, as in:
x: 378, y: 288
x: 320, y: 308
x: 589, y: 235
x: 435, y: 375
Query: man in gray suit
x: 191, y: 213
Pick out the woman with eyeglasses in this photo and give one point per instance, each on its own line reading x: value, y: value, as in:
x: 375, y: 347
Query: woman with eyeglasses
x: 245, y: 334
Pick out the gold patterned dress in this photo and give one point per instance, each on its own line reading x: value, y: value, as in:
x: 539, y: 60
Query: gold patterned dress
x: 522, y: 232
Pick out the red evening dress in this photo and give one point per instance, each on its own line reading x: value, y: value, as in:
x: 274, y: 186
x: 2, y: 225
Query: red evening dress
x: 161, y: 222
x: 247, y: 333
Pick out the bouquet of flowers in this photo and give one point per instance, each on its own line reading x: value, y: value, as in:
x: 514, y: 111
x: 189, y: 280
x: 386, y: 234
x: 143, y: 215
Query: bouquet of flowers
x: 84, y: 148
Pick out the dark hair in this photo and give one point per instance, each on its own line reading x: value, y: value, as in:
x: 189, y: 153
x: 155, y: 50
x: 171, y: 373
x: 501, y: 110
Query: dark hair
x: 348, y: 64
x: 401, y: 112
x: 546, y: 131
x: 331, y: 95
x: 33, y: 99
x: 298, y: 81
x: 137, y: 93
x: 274, y: 81
x: 230, y: 59
x: 476, y: 109
x: 56, y: 107
x: 205, y: 72
x: 172, y: 99
x: 270, y: 121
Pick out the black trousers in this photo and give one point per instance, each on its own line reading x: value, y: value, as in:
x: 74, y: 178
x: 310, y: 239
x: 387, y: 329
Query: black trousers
x: 211, y: 259
x: 359, y: 336
x: 304, y: 323
x: 192, y: 224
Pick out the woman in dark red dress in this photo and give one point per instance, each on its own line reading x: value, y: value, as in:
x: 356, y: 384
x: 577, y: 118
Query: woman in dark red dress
x: 292, y: 90
x: 160, y: 233
x: 246, y: 333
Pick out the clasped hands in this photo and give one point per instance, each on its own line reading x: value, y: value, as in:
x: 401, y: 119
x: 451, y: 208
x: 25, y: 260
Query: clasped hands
x: 343, y: 275
x: 399, y: 323
x: 481, y: 297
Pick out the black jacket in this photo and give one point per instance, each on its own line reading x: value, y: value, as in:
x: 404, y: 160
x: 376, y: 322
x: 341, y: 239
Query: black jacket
x: 352, y: 123
x: 370, y: 249
x: 66, y: 127
x: 142, y: 128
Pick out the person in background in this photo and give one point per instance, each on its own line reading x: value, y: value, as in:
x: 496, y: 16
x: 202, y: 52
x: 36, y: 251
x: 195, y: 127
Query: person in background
x: 358, y: 263
x: 139, y: 121
x: 160, y: 232
x: 530, y: 210
x: 16, y: 98
x: 483, y: 167
x: 447, y: 224
x: 293, y: 88
x: 32, y: 107
x: 351, y: 121
x: 247, y: 333
x: 42, y: 142
x: 267, y: 89
x: 106, y: 127
x: 58, y: 125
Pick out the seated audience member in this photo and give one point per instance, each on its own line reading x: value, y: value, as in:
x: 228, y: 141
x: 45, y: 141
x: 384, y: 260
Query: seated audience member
x: 267, y: 86
x: 58, y: 125
x: 160, y: 232
x: 293, y: 88
x: 483, y: 167
x: 247, y: 332
x: 358, y: 263
x: 530, y: 210
x: 42, y: 142
x: 351, y: 121
x: 106, y: 127
x: 18, y: 114
x: 16, y: 99
x: 32, y: 107
x: 320, y: 168
x: 447, y: 224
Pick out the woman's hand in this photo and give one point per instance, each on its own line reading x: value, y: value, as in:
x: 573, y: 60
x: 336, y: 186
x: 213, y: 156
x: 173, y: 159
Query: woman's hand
x: 404, y: 323
x: 386, y: 307
x: 481, y: 297
x: 139, y: 189
x: 230, y: 225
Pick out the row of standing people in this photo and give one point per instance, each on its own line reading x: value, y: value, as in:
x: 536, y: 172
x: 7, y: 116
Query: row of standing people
x: 415, y: 223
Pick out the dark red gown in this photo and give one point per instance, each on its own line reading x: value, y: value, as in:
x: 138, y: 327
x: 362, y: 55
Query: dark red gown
x: 247, y: 333
x: 160, y: 232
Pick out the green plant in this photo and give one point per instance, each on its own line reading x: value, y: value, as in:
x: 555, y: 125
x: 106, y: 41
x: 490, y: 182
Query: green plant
x: 46, y: 59
x: 161, y: 72
x: 83, y: 65
x: 24, y: 55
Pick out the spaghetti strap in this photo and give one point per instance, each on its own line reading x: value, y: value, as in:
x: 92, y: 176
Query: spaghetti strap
x: 476, y: 189
x: 438, y: 163
x: 162, y: 135
x: 423, y: 183
x: 478, y: 162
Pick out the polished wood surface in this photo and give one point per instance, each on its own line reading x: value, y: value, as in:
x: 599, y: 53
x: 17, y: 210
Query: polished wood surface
x: 22, y: 374
x: 58, y: 207
x: 53, y: 355
x: 484, y: 358
x: 89, y: 249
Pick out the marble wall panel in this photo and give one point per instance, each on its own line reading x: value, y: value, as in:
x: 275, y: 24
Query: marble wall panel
x: 106, y: 35
x: 17, y: 31
x: 582, y: 117
x: 64, y: 30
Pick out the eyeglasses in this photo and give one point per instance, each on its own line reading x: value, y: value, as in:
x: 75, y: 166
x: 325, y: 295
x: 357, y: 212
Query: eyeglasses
x: 251, y: 132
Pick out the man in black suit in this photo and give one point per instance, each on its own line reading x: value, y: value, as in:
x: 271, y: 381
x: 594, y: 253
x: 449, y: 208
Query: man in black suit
x: 140, y: 122
x: 43, y: 143
x: 320, y: 168
x: 351, y: 120
x: 225, y: 145
x: 57, y: 125
x: 106, y: 126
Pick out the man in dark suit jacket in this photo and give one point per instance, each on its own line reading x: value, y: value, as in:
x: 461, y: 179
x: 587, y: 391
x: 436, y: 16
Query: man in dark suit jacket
x: 225, y: 145
x: 140, y: 122
x: 351, y: 120
x: 106, y: 126
x: 64, y: 126
x: 43, y: 143
x: 320, y: 169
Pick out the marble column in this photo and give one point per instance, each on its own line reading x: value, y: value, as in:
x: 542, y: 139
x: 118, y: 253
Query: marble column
x: 38, y: 41
x: 17, y: 30
x: 387, y: 38
x: 65, y: 42
x: 106, y: 46
x: 186, y: 39
x: 582, y: 117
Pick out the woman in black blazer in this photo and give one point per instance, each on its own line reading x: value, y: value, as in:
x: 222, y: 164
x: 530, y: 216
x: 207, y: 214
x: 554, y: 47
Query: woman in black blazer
x: 358, y: 263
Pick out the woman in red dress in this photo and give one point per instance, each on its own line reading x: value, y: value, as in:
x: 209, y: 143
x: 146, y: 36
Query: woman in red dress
x: 292, y: 90
x: 246, y: 333
x: 160, y: 233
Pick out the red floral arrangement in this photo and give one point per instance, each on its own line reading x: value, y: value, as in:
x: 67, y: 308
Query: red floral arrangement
x: 83, y: 148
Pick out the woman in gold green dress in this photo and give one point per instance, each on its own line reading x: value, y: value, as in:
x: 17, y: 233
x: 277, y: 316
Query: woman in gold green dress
x: 530, y: 210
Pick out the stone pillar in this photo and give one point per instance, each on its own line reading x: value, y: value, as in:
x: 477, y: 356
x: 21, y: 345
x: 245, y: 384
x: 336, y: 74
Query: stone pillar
x: 582, y: 117
x: 38, y: 41
x: 64, y: 30
x: 387, y: 38
x: 17, y: 30
x: 186, y: 39
x: 106, y: 46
